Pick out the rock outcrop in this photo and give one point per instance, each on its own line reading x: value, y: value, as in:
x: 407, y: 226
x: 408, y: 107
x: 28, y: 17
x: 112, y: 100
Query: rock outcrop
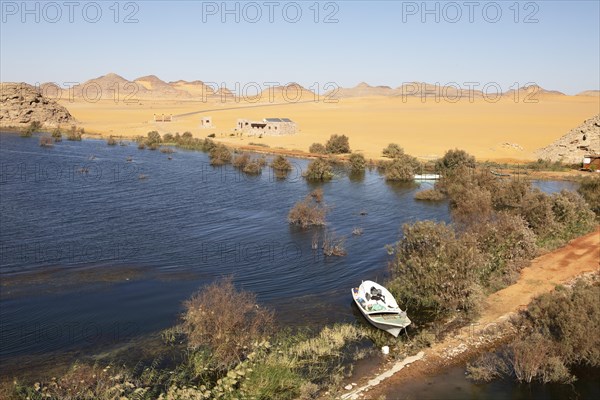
x: 572, y: 147
x: 22, y: 104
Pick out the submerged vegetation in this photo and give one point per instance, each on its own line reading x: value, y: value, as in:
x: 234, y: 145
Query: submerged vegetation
x: 319, y: 170
x: 309, y: 211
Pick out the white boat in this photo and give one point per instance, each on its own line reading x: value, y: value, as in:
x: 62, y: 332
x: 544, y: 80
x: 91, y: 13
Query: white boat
x: 380, y: 308
x: 427, y: 177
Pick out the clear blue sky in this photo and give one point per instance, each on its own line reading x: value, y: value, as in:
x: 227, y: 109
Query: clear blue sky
x: 382, y: 43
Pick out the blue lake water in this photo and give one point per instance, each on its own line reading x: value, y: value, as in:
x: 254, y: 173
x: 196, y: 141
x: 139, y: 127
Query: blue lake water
x: 92, y: 255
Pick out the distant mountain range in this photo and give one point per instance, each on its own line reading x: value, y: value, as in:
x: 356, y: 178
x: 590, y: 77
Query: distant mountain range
x: 111, y: 86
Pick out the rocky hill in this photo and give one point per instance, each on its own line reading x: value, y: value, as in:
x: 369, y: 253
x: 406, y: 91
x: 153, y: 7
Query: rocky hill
x: 572, y: 147
x: 22, y: 104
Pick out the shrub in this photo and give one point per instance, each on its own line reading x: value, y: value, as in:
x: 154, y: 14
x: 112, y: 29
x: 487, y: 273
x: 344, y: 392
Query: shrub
x: 393, y: 151
x: 74, y: 134
x: 281, y: 163
x: 536, y: 208
x: 219, y: 155
x: 506, y: 244
x: 357, y: 163
x: 317, y: 195
x: 573, y: 214
x: 554, y: 334
x: 153, y: 137
x: 317, y: 148
x: 470, y: 204
x: 141, y: 145
x: 225, y: 320
x: 307, y: 212
x: 435, y: 270
x: 590, y: 190
x: 430, y: 195
x: 333, y: 245
x: 187, y: 136
x: 168, y: 138
x: 153, y: 146
x: 253, y: 168
x: 338, y: 144
x: 46, y: 141
x: 57, y: 135
x: 318, y: 170
x: 241, y: 160
x: 258, y: 144
x: 401, y: 168
x: 211, y: 135
x: 454, y: 159
x: 111, y: 141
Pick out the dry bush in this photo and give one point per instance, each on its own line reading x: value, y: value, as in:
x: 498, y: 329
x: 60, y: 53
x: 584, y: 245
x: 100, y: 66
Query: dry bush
x: 509, y: 193
x: 430, y: 195
x: 470, y: 204
x: 536, y: 208
x: 281, y: 163
x: 333, y: 245
x: 253, y: 167
x: 486, y: 368
x: 317, y: 148
x: 227, y: 321
x: 307, y: 212
x: 241, y: 160
x: 219, y: 155
x: 46, y: 141
x: 317, y: 195
x: 111, y: 141
x: 573, y: 214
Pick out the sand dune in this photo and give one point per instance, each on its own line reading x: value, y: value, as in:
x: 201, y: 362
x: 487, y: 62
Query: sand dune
x: 425, y: 128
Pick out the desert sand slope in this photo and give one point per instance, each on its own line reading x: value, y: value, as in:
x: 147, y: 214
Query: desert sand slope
x: 595, y: 93
x: 290, y: 93
x: 426, y: 128
x: 577, y: 143
x: 21, y: 104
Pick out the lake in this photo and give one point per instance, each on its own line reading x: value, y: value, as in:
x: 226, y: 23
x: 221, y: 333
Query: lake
x: 97, y: 251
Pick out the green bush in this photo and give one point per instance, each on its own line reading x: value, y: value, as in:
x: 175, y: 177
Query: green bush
x: 317, y: 148
x: 168, y: 138
x: 153, y: 137
x: 435, y: 270
x: 393, y: 151
x: 454, y: 159
x: 590, y: 190
x: 338, y: 144
x: 281, y: 163
x: 402, y: 168
x: 318, y: 170
x: 357, y: 163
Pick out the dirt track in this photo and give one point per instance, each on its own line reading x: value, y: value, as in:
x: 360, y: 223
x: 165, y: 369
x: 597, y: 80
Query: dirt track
x: 578, y: 257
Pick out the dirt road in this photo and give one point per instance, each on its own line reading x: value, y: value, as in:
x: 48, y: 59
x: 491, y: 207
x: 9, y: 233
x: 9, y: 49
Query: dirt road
x: 578, y: 257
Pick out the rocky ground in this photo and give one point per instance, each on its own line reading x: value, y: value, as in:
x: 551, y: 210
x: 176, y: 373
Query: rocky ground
x: 579, y: 142
x: 21, y: 104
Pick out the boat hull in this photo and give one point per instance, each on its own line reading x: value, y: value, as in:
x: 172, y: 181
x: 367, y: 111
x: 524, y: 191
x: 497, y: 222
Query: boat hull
x: 392, y: 320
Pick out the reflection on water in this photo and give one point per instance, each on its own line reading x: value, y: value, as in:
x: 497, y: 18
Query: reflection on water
x: 452, y: 384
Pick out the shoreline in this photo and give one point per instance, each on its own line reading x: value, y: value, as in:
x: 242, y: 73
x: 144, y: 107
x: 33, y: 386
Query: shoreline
x: 509, y: 168
x: 577, y: 259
